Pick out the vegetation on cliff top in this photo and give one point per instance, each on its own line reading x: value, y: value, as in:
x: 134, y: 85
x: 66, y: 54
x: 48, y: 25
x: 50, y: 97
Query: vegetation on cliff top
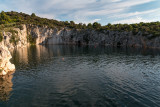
x: 16, y: 19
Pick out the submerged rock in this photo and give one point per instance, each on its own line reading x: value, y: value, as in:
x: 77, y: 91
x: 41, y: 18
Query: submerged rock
x: 5, y: 64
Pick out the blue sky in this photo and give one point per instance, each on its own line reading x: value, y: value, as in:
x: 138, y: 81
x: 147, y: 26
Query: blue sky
x: 89, y: 11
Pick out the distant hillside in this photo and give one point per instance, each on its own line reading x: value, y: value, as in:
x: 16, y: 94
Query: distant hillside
x: 16, y: 19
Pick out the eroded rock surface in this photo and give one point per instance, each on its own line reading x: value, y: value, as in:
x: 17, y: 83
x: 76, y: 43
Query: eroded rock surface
x: 5, y: 64
x: 44, y: 35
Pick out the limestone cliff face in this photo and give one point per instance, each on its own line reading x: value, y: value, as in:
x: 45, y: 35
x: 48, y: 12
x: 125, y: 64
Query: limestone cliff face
x: 44, y: 35
x: 5, y: 64
x: 92, y: 37
x: 21, y: 38
x: 6, y: 45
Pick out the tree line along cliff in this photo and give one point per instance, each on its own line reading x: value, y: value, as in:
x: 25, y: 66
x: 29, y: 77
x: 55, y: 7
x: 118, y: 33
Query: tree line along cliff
x: 49, y: 31
x: 22, y: 18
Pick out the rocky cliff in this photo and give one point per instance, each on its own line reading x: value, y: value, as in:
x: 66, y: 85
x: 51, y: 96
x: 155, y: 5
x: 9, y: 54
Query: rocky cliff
x: 9, y: 42
x: 5, y: 64
x: 14, y: 37
x: 92, y: 37
x: 17, y: 37
x: 44, y: 35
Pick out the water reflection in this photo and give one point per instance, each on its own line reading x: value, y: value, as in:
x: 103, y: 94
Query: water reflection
x: 38, y: 53
x: 86, y: 76
x: 6, y: 86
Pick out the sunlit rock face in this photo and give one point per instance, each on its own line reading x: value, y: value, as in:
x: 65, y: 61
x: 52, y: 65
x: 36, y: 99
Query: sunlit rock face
x: 45, y: 35
x: 5, y: 64
x: 6, y: 86
x: 21, y: 38
x: 6, y: 45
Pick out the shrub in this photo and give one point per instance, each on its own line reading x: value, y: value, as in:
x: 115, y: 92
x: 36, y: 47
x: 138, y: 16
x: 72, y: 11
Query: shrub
x: 135, y: 31
x: 14, y: 38
x: 1, y: 70
x: 20, y: 27
x: 33, y: 15
x: 1, y: 36
x: 31, y: 40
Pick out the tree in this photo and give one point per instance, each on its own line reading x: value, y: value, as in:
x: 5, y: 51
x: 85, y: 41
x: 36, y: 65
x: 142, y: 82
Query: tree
x: 109, y: 24
x: 130, y: 28
x: 135, y: 31
x: 96, y: 25
x: 89, y: 25
x: 33, y: 15
x: 72, y: 24
x: 66, y: 23
x: 4, y: 19
x: 80, y: 25
x: 1, y: 36
x: 84, y: 26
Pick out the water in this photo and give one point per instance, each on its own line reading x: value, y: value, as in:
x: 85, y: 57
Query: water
x: 72, y: 76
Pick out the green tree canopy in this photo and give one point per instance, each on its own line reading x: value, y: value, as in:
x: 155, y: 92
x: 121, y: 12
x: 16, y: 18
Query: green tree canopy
x: 89, y: 25
x: 33, y: 15
x: 96, y: 25
x: 4, y: 19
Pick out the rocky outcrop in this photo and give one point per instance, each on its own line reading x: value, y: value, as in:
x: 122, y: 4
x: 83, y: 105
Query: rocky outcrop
x: 65, y: 36
x: 5, y: 64
x: 44, y: 35
x: 20, y: 38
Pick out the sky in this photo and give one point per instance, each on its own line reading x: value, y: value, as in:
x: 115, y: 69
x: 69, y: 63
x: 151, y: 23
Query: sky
x: 88, y: 11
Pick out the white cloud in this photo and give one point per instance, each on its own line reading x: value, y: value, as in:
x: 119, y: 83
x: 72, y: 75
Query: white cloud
x: 49, y: 16
x: 91, y: 21
x: 124, y: 15
x: 96, y: 20
x: 132, y: 20
x: 78, y: 10
x: 85, y: 20
x: 115, y: 0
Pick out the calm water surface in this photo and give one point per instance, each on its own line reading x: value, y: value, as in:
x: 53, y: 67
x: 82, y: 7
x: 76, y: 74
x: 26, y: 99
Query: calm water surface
x: 72, y: 76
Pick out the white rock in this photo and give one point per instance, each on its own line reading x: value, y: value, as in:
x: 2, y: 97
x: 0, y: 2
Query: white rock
x: 5, y: 64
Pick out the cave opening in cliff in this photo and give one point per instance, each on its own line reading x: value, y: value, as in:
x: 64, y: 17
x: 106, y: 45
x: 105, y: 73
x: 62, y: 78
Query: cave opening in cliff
x: 119, y: 44
x: 79, y: 43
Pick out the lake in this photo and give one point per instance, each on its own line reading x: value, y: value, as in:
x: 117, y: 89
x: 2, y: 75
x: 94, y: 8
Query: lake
x: 82, y: 76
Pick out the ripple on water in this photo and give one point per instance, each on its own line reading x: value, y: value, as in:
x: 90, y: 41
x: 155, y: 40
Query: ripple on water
x: 85, y: 76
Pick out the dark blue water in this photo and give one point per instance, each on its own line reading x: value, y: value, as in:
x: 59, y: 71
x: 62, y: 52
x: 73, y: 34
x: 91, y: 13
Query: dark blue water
x: 72, y: 76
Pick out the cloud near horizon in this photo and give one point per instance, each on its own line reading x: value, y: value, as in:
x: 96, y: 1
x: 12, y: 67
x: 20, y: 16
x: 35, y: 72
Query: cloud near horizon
x: 102, y: 11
